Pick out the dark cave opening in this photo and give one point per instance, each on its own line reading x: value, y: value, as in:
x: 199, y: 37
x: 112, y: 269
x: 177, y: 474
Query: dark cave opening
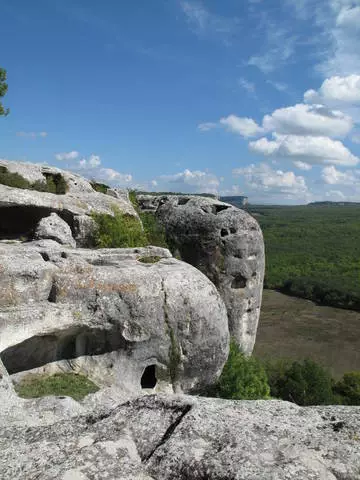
x: 21, y: 221
x: 238, y: 282
x: 148, y: 379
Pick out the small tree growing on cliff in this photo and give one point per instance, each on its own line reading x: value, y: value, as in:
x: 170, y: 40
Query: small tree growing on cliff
x: 3, y: 89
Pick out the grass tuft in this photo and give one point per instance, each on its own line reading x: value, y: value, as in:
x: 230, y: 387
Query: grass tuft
x: 59, y: 384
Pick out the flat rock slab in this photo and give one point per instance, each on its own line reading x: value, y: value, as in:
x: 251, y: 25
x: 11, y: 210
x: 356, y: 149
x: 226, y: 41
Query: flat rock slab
x: 188, y: 438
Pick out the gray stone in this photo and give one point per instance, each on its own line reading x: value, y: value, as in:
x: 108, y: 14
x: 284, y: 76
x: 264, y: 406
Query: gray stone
x: 106, y: 314
x: 22, y: 209
x: 54, y: 228
x: 227, y: 245
x: 185, y: 438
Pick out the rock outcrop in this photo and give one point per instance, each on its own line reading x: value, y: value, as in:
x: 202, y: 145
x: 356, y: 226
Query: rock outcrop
x: 21, y: 209
x: 227, y: 245
x: 183, y: 438
x: 108, y: 315
x: 54, y: 228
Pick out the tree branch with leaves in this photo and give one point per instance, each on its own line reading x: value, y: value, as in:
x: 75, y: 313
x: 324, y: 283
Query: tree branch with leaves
x: 3, y: 89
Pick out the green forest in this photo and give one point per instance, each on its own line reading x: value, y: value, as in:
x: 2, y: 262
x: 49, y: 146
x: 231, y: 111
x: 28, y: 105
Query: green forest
x: 313, y: 251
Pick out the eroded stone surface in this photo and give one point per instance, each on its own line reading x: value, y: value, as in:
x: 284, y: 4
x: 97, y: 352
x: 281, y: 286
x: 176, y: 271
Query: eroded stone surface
x: 227, y: 245
x: 106, y: 314
x: 185, y: 438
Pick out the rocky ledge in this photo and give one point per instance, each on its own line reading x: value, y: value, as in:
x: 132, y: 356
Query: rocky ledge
x: 160, y: 437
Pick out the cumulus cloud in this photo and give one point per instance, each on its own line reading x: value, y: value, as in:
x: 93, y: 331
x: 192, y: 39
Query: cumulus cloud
x: 302, y: 165
x: 332, y: 176
x: 244, y: 126
x: 112, y: 176
x: 336, y: 90
x: 92, y: 162
x: 312, y: 150
x: 73, y: 155
x: 263, y: 177
x: 32, y: 134
x: 311, y: 120
x: 190, y: 181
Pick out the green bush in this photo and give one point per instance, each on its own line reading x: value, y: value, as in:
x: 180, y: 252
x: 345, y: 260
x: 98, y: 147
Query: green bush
x: 55, y: 182
x: 99, y: 187
x: 118, y: 231
x: 242, y: 378
x: 59, y: 384
x: 348, y: 388
x: 303, y: 383
x: 155, y: 233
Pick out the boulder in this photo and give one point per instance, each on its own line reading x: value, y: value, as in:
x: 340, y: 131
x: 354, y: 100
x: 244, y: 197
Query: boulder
x: 227, y: 245
x: 21, y: 209
x: 187, y: 438
x: 54, y: 228
x: 131, y: 317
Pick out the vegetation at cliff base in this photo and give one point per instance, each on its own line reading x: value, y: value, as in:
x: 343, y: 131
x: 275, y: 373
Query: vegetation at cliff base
x: 313, y: 251
x: 60, y: 384
x: 242, y: 378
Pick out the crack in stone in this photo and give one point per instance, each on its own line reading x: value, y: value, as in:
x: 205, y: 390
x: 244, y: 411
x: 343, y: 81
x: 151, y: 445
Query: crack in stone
x: 170, y: 430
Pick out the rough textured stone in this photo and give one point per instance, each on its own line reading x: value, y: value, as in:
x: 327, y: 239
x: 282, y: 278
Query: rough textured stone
x: 22, y: 209
x: 54, y: 228
x: 108, y: 315
x: 227, y: 245
x: 184, y: 438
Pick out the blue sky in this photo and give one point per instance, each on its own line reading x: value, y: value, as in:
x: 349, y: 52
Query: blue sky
x: 254, y: 97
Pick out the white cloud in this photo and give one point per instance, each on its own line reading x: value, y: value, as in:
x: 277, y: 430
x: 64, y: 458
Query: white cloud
x: 94, y: 161
x: 263, y: 177
x: 335, y: 195
x: 341, y: 25
x: 311, y: 120
x: 112, y: 176
x: 73, y: 155
x: 302, y: 165
x: 312, y: 150
x: 32, y: 134
x: 205, y: 127
x: 336, y: 90
x: 190, y: 181
x: 246, y: 127
x: 332, y: 176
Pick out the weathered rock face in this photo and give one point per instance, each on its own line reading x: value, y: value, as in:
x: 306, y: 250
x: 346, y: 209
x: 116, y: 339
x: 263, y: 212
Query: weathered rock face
x: 54, y: 228
x: 108, y: 315
x: 22, y: 209
x: 227, y: 245
x: 184, y: 438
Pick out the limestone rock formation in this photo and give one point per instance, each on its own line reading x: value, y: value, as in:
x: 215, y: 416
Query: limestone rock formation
x: 54, y: 228
x: 184, y: 438
x: 22, y: 209
x: 227, y: 245
x: 107, y: 314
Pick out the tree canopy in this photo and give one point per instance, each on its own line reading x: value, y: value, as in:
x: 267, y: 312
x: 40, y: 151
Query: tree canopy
x: 3, y: 89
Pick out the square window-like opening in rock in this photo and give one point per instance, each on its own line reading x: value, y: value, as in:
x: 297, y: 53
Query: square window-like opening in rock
x: 148, y: 379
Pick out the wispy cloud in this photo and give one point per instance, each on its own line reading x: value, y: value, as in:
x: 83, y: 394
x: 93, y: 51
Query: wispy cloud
x: 248, y: 86
x: 73, y: 155
x: 32, y: 134
x: 203, y: 22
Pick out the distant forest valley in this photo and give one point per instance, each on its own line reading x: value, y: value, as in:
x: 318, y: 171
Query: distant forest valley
x: 312, y: 253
